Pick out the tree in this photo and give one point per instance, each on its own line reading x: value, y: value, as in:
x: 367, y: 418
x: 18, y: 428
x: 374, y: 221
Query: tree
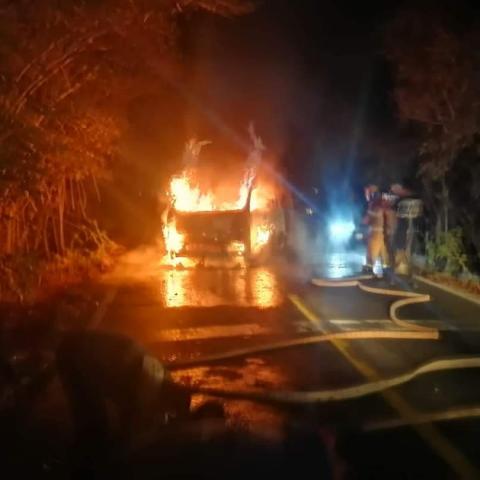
x: 437, y: 88
x: 68, y: 68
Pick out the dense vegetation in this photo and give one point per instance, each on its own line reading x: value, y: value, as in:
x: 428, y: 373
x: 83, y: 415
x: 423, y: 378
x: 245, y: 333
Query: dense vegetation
x: 436, y: 67
x: 68, y: 70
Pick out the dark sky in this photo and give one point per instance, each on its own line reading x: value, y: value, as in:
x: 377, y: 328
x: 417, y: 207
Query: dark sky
x: 309, y: 73
x: 312, y: 76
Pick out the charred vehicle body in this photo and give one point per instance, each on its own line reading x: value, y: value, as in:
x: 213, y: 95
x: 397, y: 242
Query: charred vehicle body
x: 253, y: 233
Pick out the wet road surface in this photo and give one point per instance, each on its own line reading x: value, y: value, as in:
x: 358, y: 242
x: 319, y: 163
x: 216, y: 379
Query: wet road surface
x: 181, y: 314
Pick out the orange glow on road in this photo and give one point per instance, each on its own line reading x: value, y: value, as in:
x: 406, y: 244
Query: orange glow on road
x: 265, y: 288
x: 256, y: 287
x: 176, y: 288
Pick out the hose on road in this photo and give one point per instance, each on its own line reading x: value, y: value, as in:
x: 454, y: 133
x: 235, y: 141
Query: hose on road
x: 303, y: 341
x: 348, y: 393
x: 409, y: 298
x: 457, y: 413
x: 410, y: 330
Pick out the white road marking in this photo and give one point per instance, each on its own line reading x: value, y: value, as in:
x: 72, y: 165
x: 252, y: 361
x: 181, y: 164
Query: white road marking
x: 214, y: 331
x: 383, y: 322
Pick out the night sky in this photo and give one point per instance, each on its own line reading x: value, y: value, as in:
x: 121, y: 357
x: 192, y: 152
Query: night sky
x: 312, y: 76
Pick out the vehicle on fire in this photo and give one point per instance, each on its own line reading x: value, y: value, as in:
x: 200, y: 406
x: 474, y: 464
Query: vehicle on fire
x: 253, y: 234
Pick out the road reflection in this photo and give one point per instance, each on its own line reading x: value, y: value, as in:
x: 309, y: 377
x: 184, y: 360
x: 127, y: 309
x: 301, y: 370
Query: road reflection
x: 175, y: 292
x: 253, y: 374
x: 255, y: 287
x: 264, y: 287
x: 340, y: 264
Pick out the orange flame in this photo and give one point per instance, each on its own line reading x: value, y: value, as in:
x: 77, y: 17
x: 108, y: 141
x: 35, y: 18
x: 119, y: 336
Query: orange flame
x: 174, y: 240
x: 187, y: 196
x: 260, y: 236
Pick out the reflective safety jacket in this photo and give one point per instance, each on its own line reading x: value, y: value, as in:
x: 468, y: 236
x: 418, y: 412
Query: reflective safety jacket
x: 375, y: 218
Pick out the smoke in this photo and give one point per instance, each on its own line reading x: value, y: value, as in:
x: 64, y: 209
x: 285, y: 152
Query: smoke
x: 242, y: 70
x: 299, y: 242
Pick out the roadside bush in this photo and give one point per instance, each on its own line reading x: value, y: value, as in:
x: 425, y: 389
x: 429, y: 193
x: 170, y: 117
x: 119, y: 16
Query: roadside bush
x: 25, y: 277
x: 446, y: 253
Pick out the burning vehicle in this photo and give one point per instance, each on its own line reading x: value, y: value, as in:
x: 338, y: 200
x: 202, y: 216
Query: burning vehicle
x: 247, y: 220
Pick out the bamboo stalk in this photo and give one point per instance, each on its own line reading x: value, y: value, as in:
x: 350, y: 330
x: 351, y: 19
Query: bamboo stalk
x: 45, y: 238
x: 61, y: 208
x: 55, y: 234
x: 72, y: 196
x: 95, y: 185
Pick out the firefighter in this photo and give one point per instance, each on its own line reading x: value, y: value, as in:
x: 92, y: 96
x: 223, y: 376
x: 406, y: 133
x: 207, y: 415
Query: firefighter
x: 97, y: 369
x: 375, y: 219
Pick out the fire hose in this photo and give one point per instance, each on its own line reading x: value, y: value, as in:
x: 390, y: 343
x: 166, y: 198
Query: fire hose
x: 348, y: 393
x: 457, y: 413
x: 410, y: 331
x: 303, y: 341
x: 410, y: 298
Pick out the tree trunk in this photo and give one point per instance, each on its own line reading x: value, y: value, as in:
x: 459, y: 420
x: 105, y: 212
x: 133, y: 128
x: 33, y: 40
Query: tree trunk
x: 72, y: 193
x: 45, y: 237
x: 95, y: 186
x: 61, y: 209
x: 55, y: 233
x: 82, y: 199
x: 41, y: 230
x: 9, y: 236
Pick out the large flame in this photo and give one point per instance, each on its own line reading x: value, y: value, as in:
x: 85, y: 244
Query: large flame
x: 187, y: 195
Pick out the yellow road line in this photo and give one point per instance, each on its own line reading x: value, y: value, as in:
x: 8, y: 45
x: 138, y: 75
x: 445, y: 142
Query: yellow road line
x: 428, y: 432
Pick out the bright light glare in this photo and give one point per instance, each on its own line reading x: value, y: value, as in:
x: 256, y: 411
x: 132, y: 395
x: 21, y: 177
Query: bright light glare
x: 341, y: 230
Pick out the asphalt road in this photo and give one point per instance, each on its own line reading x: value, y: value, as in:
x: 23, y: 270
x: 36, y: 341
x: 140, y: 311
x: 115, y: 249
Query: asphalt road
x: 181, y: 314
x: 189, y: 313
